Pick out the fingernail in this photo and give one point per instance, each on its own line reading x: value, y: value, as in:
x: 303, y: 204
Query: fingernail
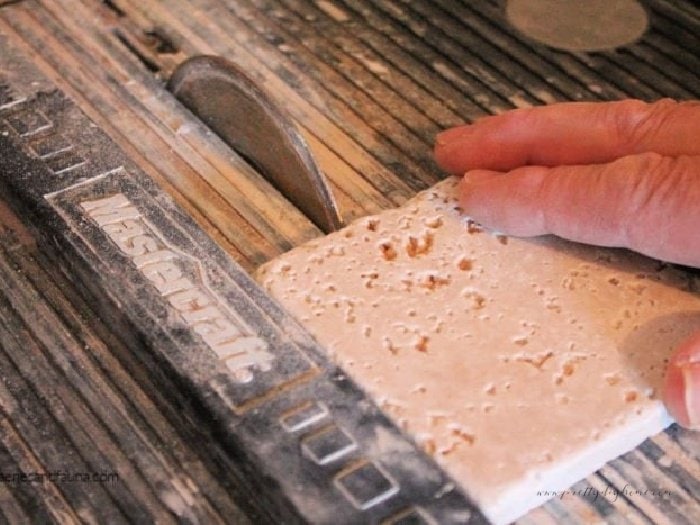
x: 690, y: 372
x: 452, y: 135
x: 689, y: 353
x: 468, y: 186
x: 682, y: 384
x: 477, y: 176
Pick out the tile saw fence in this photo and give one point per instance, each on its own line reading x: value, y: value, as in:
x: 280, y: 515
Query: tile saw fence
x: 103, y: 365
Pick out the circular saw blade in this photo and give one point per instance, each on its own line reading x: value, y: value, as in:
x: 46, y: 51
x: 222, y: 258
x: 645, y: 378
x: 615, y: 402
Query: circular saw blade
x: 235, y: 108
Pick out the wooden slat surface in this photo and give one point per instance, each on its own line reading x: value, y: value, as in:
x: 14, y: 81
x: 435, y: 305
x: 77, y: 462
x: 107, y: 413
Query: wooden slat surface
x: 369, y: 84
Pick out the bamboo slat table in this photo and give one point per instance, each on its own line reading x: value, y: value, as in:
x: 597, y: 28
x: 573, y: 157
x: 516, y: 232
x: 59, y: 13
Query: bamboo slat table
x: 369, y: 83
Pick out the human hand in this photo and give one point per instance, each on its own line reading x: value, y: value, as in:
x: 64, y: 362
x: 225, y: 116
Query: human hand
x: 612, y: 174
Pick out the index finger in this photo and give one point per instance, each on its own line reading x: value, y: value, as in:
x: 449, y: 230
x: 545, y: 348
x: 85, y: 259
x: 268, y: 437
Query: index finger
x: 571, y: 133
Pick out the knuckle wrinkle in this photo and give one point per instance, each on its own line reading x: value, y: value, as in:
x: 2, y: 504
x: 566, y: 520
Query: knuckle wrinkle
x: 638, y: 122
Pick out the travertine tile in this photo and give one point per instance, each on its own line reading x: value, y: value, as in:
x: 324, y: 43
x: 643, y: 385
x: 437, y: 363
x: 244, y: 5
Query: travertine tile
x: 521, y: 365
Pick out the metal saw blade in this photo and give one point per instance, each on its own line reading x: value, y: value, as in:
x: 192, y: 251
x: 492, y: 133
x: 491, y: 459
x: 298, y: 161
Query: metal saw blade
x: 226, y: 99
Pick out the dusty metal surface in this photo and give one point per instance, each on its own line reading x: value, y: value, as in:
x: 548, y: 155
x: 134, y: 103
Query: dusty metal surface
x: 369, y: 83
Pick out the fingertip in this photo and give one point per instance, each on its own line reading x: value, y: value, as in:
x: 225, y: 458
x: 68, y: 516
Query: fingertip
x: 682, y: 384
x: 476, y: 195
x: 473, y: 178
x: 470, y: 146
x: 478, y: 176
x: 452, y: 149
x: 451, y: 135
x: 444, y: 159
x: 674, y: 395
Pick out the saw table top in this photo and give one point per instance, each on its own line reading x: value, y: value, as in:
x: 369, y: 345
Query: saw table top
x: 369, y: 84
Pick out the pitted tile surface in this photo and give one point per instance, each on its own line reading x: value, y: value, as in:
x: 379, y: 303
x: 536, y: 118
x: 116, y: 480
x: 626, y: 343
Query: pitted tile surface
x: 520, y: 365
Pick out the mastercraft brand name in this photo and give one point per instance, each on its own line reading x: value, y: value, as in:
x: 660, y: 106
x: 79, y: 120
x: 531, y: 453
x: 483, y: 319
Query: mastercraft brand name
x: 203, y: 311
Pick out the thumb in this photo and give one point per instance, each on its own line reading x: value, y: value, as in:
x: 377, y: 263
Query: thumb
x: 682, y: 386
